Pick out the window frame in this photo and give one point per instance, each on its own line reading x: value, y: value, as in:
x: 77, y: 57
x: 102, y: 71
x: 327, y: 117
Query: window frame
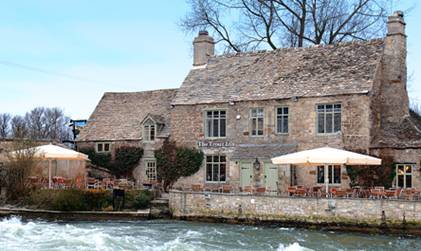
x: 276, y: 119
x: 257, y: 124
x: 212, y: 163
x: 411, y: 174
x: 331, y: 171
x: 205, y: 120
x: 147, y: 168
x: 103, y: 147
x: 333, y: 118
x: 147, y: 132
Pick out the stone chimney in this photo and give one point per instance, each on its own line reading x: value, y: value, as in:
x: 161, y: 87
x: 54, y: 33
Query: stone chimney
x: 204, y: 47
x: 394, y: 93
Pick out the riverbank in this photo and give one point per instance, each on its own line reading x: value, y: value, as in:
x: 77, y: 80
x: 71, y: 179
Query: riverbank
x: 74, y: 215
x: 356, y: 215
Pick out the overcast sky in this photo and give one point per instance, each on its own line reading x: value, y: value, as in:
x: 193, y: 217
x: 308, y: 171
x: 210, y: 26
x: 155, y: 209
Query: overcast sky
x: 99, y: 46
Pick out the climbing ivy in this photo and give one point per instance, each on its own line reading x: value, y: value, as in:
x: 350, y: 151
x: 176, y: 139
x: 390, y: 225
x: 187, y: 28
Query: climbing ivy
x: 126, y: 159
x: 173, y: 162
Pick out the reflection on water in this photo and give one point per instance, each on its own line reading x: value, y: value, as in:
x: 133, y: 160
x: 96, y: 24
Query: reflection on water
x: 177, y: 235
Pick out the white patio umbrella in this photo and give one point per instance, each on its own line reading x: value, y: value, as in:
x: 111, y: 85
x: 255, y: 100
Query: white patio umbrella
x: 52, y: 152
x: 326, y: 156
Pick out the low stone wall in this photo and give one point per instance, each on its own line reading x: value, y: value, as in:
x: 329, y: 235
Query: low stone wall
x: 397, y: 214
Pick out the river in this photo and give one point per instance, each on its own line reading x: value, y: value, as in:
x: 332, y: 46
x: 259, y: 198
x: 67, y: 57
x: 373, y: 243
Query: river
x: 16, y: 234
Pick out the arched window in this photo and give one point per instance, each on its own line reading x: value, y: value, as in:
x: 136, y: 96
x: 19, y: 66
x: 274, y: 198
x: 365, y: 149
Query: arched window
x: 149, y: 130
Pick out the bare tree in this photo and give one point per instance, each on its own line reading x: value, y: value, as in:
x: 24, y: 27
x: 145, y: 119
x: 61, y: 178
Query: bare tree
x: 35, y: 121
x: 243, y: 25
x: 4, y: 125
x: 56, y: 124
x: 19, y: 127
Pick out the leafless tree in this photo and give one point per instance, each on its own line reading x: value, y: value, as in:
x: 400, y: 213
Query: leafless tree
x: 36, y: 123
x: 243, y: 25
x: 4, y: 125
x: 56, y: 124
x: 19, y: 127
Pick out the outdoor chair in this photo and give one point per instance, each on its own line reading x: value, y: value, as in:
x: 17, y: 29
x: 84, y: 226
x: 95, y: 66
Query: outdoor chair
x: 301, y: 192
x: 392, y: 193
x: 68, y: 183
x: 377, y: 193
x: 338, y: 192
x: 408, y: 194
x: 91, y: 183
x: 292, y: 190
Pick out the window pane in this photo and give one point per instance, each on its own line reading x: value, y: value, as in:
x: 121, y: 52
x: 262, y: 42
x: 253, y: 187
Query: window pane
x: 408, y: 179
x: 208, y: 158
x: 408, y: 169
x: 208, y: 128
x: 215, y: 128
x: 285, y: 125
x: 400, y: 181
x: 320, y: 174
x: 222, y: 158
x: 337, y: 175
x: 260, y: 126
x: 215, y: 174
x: 253, y: 127
x: 222, y: 114
x: 152, y: 133
x: 222, y: 172
x: 222, y: 128
x: 329, y: 123
x: 329, y: 108
x: 320, y: 108
x: 337, y: 122
x: 99, y: 148
x: 329, y: 174
x: 337, y: 107
x: 215, y: 158
x: 106, y: 147
x: 253, y: 113
x: 209, y: 172
x: 209, y: 114
x: 320, y: 123
x: 285, y: 110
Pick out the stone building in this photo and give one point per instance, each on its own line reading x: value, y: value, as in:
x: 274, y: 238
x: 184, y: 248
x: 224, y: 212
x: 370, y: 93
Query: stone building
x: 246, y: 108
x: 140, y: 119
x: 243, y: 109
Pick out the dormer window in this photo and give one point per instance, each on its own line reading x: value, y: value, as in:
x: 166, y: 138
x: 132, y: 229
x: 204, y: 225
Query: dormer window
x: 149, y: 130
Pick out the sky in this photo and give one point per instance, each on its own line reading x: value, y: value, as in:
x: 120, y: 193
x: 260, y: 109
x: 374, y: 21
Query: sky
x: 68, y: 53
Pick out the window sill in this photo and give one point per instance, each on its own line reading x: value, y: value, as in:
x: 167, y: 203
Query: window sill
x: 329, y: 134
x: 215, y: 182
x: 215, y: 138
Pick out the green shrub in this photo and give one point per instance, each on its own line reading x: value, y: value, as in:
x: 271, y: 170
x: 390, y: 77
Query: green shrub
x: 143, y: 200
x: 69, y: 200
x: 98, y: 159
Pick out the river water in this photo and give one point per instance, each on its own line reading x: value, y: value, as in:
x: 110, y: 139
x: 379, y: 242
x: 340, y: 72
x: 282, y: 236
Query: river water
x: 16, y: 234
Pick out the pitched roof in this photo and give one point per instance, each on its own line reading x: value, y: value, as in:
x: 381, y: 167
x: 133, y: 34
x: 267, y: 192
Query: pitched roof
x: 118, y: 116
x: 346, y: 68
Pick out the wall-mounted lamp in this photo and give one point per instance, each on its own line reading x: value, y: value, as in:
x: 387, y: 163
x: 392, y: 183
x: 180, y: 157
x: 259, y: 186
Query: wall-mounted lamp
x: 256, y: 164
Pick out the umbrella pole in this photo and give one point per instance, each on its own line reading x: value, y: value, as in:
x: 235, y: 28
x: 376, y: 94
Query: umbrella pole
x: 326, y: 180
x: 49, y: 173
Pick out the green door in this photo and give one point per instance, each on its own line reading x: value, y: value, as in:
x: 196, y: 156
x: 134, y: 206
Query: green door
x: 246, y: 174
x: 270, y: 178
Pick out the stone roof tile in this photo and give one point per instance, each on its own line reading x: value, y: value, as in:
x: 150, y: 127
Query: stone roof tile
x: 346, y: 68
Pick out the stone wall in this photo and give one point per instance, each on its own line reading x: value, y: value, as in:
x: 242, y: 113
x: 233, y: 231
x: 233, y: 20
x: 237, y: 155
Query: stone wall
x: 148, y: 153
x: 355, y: 133
x: 312, y: 210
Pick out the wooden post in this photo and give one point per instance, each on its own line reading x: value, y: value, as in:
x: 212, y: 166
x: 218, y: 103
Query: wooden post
x: 49, y: 174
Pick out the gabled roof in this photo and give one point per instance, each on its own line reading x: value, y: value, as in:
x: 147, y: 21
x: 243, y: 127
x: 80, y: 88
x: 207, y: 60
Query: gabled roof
x: 346, y: 68
x: 155, y: 118
x: 118, y: 116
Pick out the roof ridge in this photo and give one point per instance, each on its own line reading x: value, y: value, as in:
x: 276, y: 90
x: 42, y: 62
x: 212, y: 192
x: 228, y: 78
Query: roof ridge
x: 146, y: 91
x: 259, y: 52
